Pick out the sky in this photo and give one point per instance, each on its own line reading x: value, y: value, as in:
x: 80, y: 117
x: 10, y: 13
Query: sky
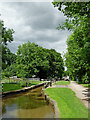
x: 35, y: 22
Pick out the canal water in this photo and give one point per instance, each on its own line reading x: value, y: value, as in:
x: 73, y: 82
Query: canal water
x: 31, y: 104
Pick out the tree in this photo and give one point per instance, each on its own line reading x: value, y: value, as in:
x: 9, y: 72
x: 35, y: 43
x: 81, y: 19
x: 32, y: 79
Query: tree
x: 6, y: 36
x: 35, y: 60
x: 10, y: 71
x: 76, y: 12
x: 77, y: 56
x: 56, y: 64
x: 8, y: 58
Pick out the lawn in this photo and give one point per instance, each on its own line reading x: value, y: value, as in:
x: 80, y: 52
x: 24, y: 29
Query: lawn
x: 62, y: 83
x: 10, y: 87
x: 18, y: 85
x: 69, y: 105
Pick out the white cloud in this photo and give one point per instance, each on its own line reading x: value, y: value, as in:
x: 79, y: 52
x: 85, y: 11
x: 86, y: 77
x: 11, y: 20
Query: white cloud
x: 34, y: 22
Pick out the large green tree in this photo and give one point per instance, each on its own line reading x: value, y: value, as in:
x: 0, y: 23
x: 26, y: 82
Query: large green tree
x: 77, y: 13
x: 6, y: 36
x: 35, y: 60
x: 77, y: 56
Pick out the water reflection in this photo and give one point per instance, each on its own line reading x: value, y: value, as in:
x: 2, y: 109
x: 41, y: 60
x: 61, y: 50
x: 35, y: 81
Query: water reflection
x: 27, y: 105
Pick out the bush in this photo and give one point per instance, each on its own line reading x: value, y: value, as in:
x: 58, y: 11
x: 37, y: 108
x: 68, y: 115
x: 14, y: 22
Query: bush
x: 9, y: 71
x: 85, y: 78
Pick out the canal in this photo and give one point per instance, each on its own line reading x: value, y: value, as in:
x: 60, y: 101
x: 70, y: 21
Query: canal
x: 31, y: 104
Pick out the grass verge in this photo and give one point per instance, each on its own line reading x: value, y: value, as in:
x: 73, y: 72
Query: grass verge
x: 69, y: 105
x: 15, y: 86
x: 62, y: 83
x: 10, y: 86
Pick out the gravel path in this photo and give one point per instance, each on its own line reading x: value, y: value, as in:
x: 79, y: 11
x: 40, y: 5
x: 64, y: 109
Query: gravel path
x: 81, y: 92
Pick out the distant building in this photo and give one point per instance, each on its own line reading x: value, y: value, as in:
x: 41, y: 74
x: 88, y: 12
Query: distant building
x: 13, y: 77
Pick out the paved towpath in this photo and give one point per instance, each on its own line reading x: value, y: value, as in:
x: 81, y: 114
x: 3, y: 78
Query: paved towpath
x: 81, y: 92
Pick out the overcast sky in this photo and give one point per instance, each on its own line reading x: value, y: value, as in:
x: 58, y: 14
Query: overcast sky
x: 34, y: 22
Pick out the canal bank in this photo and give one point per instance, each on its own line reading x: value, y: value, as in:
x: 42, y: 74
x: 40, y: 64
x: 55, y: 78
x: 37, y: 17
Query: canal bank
x: 53, y: 102
x: 25, y: 89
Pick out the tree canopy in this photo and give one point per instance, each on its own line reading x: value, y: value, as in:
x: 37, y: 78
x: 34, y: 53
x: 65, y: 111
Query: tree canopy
x: 6, y: 36
x: 78, y: 51
x: 35, y: 60
x: 77, y: 14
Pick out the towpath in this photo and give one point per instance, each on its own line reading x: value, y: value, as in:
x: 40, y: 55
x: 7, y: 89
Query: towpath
x: 81, y: 92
